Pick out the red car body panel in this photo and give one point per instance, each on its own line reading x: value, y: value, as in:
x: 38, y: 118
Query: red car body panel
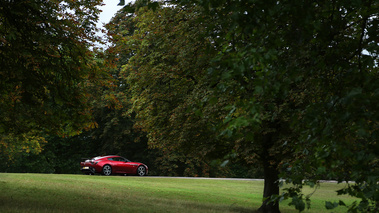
x: 119, y: 165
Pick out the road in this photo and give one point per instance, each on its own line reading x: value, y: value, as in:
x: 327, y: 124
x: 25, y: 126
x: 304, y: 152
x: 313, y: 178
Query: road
x: 207, y: 178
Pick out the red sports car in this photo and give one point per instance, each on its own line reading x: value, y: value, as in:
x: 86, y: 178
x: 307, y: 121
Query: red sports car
x: 113, y: 164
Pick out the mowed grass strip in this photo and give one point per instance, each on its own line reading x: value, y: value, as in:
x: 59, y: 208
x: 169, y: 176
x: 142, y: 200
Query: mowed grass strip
x: 80, y: 193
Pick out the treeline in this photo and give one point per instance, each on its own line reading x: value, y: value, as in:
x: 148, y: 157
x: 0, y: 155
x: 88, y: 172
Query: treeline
x: 63, y: 155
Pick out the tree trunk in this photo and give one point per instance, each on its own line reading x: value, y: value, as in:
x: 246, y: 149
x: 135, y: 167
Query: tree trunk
x: 271, y: 175
x: 271, y: 187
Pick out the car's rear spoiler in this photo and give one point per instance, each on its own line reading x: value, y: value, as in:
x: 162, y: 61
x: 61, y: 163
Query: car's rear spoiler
x: 84, y: 159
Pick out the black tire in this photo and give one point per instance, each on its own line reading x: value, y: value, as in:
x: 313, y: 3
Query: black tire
x: 141, y: 171
x: 107, y: 170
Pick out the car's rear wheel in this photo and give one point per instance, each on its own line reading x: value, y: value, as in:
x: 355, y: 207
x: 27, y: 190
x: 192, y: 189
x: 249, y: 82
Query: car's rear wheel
x: 107, y: 170
x: 141, y: 171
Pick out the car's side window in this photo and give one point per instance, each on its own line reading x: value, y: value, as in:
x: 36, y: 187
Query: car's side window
x: 116, y: 159
x: 113, y: 159
x: 124, y: 160
x: 119, y: 159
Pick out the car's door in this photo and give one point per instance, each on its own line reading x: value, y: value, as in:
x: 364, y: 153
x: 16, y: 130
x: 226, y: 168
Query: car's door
x: 117, y: 165
x: 122, y: 165
x: 127, y: 166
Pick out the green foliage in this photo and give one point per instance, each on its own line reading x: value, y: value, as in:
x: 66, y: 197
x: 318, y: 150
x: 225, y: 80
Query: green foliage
x: 45, y: 66
x: 165, y: 78
x: 103, y: 98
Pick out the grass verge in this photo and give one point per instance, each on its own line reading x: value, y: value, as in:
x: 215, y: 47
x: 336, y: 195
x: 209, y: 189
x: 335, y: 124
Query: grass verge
x: 80, y: 193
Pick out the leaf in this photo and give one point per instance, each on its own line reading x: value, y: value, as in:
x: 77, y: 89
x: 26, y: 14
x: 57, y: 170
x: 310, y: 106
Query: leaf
x: 330, y: 205
x: 121, y: 3
x: 298, y: 203
x: 153, y: 5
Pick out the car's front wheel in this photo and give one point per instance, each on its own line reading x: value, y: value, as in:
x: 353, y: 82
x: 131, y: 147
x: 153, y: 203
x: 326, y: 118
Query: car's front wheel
x: 141, y: 171
x: 107, y: 170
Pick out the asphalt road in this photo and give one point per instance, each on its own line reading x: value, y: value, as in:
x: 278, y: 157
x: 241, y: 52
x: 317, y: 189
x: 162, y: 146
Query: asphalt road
x: 206, y: 178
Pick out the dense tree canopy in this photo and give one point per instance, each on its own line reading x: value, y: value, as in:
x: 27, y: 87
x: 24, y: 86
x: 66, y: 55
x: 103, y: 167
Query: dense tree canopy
x: 162, y: 91
x: 46, y: 67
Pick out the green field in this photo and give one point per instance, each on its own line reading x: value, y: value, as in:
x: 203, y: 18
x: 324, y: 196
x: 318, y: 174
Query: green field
x: 80, y: 193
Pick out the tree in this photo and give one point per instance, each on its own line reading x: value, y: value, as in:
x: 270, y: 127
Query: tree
x: 300, y: 79
x: 45, y: 67
x: 177, y: 103
x: 305, y: 75
x: 165, y: 76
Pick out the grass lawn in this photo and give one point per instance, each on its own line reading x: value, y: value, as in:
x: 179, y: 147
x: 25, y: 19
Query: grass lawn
x: 81, y: 193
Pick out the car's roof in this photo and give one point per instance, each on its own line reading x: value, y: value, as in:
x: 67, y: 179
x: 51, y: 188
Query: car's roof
x: 108, y: 156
